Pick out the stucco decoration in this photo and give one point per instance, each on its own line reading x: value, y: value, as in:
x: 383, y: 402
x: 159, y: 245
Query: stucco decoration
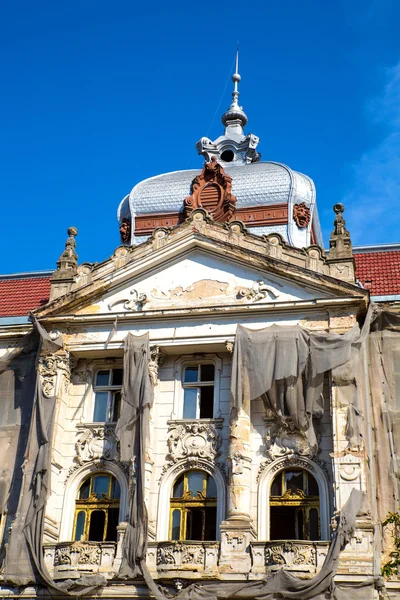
x: 135, y: 303
x: 157, y: 358
x: 193, y: 439
x: 49, y: 367
x: 301, y: 215
x: 94, y: 443
x: 178, y: 554
x: 125, y: 230
x: 212, y: 190
x: 283, y: 438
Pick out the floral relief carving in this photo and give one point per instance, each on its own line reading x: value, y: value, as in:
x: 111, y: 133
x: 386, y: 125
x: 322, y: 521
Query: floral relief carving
x: 77, y: 554
x: 157, y: 358
x: 179, y: 554
x: 94, y: 443
x: 193, y: 439
x: 135, y: 303
x: 291, y: 554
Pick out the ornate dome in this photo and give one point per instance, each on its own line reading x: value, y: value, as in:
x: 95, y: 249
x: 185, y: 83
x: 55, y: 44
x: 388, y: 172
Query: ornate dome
x: 270, y: 197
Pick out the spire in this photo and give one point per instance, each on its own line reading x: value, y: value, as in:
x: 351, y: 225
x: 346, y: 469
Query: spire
x: 234, y: 146
x: 235, y: 117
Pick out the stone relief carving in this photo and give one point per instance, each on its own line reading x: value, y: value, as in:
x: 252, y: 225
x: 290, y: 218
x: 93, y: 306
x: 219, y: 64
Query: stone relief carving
x: 290, y: 554
x: 125, y: 231
x: 208, y: 288
x: 301, y: 215
x: 136, y: 303
x: 290, y: 461
x: 193, y: 439
x: 191, y: 462
x: 157, y: 358
x: 179, y: 554
x: 259, y: 291
x: 212, y: 190
x: 282, y: 438
x: 77, y: 554
x: 95, y: 443
x: 50, y: 366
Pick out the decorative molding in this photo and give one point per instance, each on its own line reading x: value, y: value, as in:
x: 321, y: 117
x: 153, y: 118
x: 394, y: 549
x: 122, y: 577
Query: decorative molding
x: 301, y: 215
x: 135, y: 304
x: 125, y: 230
x: 193, y: 439
x: 77, y: 554
x: 96, y: 442
x: 212, y: 190
x: 258, y: 216
x: 259, y: 291
x: 282, y: 438
x: 157, y: 358
x: 179, y: 554
x: 291, y: 554
x: 52, y: 365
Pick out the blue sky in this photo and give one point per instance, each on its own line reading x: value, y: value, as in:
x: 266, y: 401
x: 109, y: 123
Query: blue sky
x: 97, y: 95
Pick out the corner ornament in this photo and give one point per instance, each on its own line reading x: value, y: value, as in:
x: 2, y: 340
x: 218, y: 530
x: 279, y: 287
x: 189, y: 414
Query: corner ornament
x: 301, y: 215
x: 212, y: 191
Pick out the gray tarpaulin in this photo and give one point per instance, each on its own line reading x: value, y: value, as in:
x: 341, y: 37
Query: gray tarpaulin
x: 285, y: 586
x: 132, y: 431
x: 285, y: 366
x: 24, y: 561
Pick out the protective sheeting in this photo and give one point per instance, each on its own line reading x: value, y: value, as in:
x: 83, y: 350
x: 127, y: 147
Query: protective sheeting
x: 285, y: 366
x: 283, y: 585
x: 132, y: 431
x: 24, y: 561
x: 17, y: 387
x: 384, y: 382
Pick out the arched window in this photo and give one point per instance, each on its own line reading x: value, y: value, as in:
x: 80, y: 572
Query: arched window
x: 294, y: 506
x: 97, y: 509
x: 193, y: 512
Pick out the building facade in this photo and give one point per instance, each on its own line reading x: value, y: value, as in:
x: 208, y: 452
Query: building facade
x: 272, y: 367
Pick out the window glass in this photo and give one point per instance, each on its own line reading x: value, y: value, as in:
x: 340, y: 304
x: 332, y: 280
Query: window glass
x: 116, y: 406
x: 176, y: 525
x: 80, y: 526
x: 190, y: 403
x: 115, y: 489
x: 100, y: 485
x: 112, y: 524
x: 276, y: 487
x: 211, y: 487
x: 178, y: 488
x: 194, y: 526
x: 195, y: 482
x: 207, y: 373
x: 312, y: 486
x: 84, y: 490
x: 116, y: 377
x: 314, y: 534
x: 100, y: 407
x: 102, y: 378
x: 191, y: 374
x: 206, y: 402
x: 294, y: 480
x: 96, y: 528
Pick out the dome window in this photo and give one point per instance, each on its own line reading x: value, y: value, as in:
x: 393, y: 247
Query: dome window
x: 227, y: 156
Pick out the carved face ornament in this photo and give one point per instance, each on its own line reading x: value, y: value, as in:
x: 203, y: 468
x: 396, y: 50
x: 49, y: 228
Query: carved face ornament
x: 301, y: 215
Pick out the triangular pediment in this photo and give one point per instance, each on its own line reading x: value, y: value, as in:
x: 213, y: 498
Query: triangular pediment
x: 189, y: 271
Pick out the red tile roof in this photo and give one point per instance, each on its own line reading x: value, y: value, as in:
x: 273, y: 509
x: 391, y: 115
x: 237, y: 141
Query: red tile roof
x: 19, y: 296
x: 379, y: 272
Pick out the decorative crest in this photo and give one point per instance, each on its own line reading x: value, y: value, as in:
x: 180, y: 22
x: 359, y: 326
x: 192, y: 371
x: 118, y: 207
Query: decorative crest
x: 212, y: 191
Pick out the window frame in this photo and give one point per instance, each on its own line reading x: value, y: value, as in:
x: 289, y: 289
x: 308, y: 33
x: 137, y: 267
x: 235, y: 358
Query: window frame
x: 187, y: 501
x: 179, y: 387
x: 300, y: 501
x: 110, y: 389
x: 90, y: 504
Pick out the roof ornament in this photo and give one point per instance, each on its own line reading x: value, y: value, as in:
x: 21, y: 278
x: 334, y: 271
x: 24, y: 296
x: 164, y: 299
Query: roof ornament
x: 67, y: 264
x: 234, y: 146
x: 235, y: 117
x: 339, y: 242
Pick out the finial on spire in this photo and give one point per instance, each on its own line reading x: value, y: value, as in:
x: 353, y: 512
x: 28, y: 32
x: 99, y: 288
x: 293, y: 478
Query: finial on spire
x: 235, y: 117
